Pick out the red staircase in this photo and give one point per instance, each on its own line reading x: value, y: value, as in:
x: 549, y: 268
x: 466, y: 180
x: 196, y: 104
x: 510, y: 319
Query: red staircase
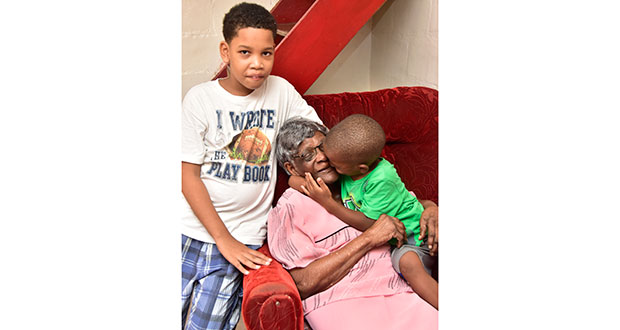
x: 311, y: 33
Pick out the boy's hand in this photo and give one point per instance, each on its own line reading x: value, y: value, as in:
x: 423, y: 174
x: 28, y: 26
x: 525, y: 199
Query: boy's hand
x: 386, y: 228
x: 240, y: 255
x: 317, y: 190
x: 429, y: 222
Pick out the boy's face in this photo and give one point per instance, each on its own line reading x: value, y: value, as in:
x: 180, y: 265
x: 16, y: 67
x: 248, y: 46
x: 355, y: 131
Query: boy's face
x: 250, y: 56
x: 341, y: 164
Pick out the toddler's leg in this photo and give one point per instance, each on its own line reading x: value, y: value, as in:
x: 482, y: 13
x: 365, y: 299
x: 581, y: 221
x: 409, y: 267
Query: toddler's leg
x: 420, y: 281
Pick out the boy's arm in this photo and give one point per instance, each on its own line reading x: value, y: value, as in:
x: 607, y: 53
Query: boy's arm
x: 199, y: 200
x: 319, y: 191
x: 429, y: 220
x: 324, y: 272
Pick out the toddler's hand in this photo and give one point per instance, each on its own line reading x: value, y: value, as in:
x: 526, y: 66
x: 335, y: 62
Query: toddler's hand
x: 317, y: 190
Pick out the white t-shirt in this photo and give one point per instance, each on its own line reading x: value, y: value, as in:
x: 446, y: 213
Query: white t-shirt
x: 233, y: 138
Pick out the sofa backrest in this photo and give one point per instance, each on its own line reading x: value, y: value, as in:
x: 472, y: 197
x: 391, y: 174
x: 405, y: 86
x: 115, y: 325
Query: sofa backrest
x: 409, y: 117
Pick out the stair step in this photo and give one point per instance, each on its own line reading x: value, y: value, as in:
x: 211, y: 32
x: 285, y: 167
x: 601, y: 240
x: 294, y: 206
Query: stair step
x: 319, y: 36
x: 285, y: 28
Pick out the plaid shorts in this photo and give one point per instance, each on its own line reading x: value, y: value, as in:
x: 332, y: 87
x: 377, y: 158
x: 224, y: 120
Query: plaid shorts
x: 211, y: 287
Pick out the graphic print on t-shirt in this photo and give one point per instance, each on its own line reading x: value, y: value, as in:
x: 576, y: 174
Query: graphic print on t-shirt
x: 251, y: 145
x: 350, y: 203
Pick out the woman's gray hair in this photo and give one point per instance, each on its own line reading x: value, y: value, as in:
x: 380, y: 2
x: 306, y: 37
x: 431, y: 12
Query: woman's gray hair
x: 292, y: 133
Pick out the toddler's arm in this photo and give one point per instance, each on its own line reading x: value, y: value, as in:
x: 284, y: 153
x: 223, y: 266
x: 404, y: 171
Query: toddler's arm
x: 319, y: 191
x: 199, y: 200
x: 295, y: 182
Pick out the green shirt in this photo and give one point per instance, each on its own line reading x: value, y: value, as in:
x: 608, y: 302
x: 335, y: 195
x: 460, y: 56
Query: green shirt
x: 382, y: 191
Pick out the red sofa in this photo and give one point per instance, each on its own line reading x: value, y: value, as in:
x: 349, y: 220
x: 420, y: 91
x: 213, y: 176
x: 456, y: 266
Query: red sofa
x: 409, y: 118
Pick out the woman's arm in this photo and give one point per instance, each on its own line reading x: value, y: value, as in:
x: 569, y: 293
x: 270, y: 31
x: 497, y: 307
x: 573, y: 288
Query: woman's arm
x: 324, y: 272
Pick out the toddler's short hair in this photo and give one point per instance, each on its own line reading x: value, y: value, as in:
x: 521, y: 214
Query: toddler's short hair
x: 246, y: 15
x: 358, y: 138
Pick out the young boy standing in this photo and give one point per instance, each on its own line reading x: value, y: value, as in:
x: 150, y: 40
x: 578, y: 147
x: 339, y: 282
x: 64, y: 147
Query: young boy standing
x: 228, y: 168
x: 370, y: 184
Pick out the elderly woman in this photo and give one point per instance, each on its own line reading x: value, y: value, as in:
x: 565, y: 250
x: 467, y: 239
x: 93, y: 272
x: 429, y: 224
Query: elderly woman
x: 344, y: 276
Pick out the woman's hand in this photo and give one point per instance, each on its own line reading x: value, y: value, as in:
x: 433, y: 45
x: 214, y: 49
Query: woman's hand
x: 317, y: 190
x: 386, y: 228
x: 430, y: 222
x: 240, y: 255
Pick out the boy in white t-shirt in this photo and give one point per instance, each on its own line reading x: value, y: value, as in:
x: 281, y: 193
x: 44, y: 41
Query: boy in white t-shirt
x: 228, y: 168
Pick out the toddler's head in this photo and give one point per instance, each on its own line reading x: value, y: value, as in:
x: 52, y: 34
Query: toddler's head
x: 354, y: 145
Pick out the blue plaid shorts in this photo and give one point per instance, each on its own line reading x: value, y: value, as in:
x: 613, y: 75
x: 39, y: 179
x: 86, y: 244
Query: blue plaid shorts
x: 211, y: 287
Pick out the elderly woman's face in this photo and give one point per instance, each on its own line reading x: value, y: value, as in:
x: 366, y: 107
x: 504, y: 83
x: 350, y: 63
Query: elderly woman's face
x: 318, y: 166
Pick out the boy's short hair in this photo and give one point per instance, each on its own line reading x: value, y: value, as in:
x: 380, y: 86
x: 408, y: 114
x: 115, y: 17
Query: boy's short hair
x: 357, y: 138
x: 246, y: 15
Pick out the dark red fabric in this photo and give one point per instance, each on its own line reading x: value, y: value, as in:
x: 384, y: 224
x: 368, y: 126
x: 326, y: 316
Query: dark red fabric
x: 409, y: 117
x: 270, y: 298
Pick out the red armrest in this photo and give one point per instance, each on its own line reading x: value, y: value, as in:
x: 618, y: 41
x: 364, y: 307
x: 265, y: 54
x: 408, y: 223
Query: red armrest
x: 271, y: 299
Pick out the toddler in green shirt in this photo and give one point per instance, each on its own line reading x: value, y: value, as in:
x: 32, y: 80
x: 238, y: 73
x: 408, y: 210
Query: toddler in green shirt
x: 370, y: 185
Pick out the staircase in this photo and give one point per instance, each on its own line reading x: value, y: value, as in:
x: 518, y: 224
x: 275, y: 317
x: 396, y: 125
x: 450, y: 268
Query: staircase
x: 311, y: 33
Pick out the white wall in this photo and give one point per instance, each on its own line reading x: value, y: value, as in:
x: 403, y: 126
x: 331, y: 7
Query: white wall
x: 404, y: 44
x: 397, y: 47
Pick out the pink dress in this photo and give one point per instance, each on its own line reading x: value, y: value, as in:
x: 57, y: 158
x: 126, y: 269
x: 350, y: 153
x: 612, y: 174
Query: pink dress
x: 371, y: 296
